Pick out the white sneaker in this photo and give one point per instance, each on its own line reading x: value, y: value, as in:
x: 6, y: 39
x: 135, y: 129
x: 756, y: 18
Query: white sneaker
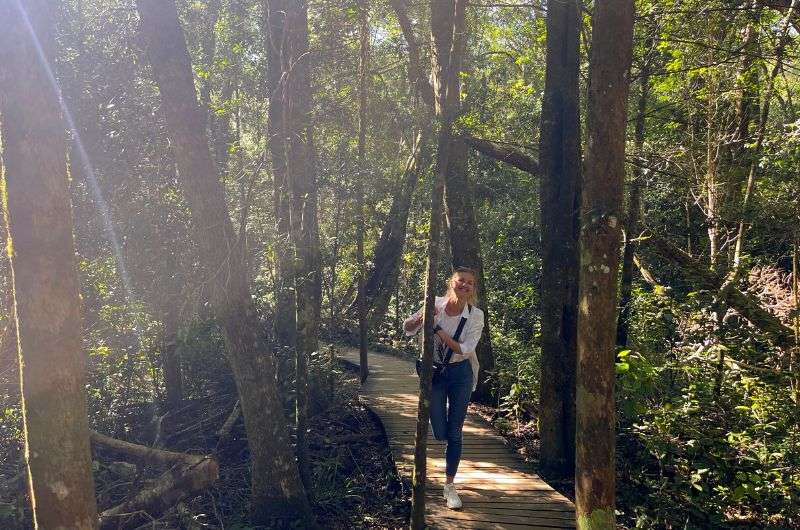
x: 452, y: 498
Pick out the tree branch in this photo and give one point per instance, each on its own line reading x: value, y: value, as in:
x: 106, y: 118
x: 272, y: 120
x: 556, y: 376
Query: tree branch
x: 504, y: 154
x: 415, y: 75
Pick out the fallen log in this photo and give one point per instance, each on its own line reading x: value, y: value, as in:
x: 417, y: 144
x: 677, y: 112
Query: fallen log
x: 141, y: 453
x: 187, y: 476
x: 180, y: 482
x: 744, y: 304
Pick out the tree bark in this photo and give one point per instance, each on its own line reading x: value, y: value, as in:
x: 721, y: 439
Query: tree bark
x: 448, y: 37
x: 560, y: 162
x: 42, y: 255
x: 277, y: 491
x: 416, y: 75
x: 448, y: 33
x: 285, y: 303
x: 382, y: 283
x: 181, y: 482
x: 609, y: 65
x: 301, y: 175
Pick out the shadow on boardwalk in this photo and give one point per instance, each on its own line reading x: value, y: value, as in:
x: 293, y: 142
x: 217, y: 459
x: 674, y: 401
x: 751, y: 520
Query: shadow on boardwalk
x: 499, y: 490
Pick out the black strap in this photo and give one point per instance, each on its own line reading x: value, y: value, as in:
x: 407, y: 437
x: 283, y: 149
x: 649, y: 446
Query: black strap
x: 449, y: 353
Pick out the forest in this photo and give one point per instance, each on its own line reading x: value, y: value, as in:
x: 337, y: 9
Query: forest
x: 218, y: 215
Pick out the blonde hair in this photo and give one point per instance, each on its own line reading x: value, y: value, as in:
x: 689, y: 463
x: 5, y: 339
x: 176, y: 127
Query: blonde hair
x: 451, y: 294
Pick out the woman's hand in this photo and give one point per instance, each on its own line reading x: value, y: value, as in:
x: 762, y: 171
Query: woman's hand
x: 413, y: 323
x: 448, y: 340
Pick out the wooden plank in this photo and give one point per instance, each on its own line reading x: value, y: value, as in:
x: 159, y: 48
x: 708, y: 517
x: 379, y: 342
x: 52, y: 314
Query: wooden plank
x: 505, y: 509
x: 440, y: 512
x: 499, y: 489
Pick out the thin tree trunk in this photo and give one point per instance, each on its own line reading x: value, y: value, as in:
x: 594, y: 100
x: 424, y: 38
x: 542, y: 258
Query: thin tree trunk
x: 285, y: 303
x: 445, y: 17
x: 301, y: 175
x: 737, y: 157
x: 793, y: 351
x: 560, y: 164
x: 609, y: 65
x: 419, y: 478
x: 332, y: 302
x: 363, y: 67
x: 42, y: 255
x: 634, y: 204
x: 713, y: 188
x: 277, y: 491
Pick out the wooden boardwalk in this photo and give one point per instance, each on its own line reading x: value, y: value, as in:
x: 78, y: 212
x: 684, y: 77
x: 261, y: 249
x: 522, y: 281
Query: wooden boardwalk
x: 498, y: 489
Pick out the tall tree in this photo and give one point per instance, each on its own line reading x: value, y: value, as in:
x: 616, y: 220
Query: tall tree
x: 285, y: 304
x: 448, y: 49
x: 382, y: 280
x: 609, y: 66
x: 302, y: 178
x: 363, y: 71
x: 42, y: 255
x: 276, y: 487
x: 560, y: 165
x: 461, y: 222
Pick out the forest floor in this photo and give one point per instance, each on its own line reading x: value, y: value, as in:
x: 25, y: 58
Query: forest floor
x: 355, y: 485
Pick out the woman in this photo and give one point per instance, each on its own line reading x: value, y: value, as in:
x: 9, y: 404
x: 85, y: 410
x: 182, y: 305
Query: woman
x: 450, y: 396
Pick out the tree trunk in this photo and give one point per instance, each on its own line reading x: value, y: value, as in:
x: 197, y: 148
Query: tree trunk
x: 188, y: 475
x: 208, y: 45
x: 609, y: 64
x: 363, y: 67
x: 449, y: 41
x: 276, y: 488
x: 445, y: 17
x: 301, y: 175
x: 634, y: 204
x: 560, y: 164
x: 285, y: 304
x: 713, y: 189
x: 419, y: 478
x: 42, y: 255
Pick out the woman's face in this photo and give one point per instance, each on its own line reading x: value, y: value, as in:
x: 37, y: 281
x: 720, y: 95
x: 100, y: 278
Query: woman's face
x: 463, y: 284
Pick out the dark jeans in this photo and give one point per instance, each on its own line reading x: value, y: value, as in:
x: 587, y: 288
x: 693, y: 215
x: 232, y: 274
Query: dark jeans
x: 449, y: 401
